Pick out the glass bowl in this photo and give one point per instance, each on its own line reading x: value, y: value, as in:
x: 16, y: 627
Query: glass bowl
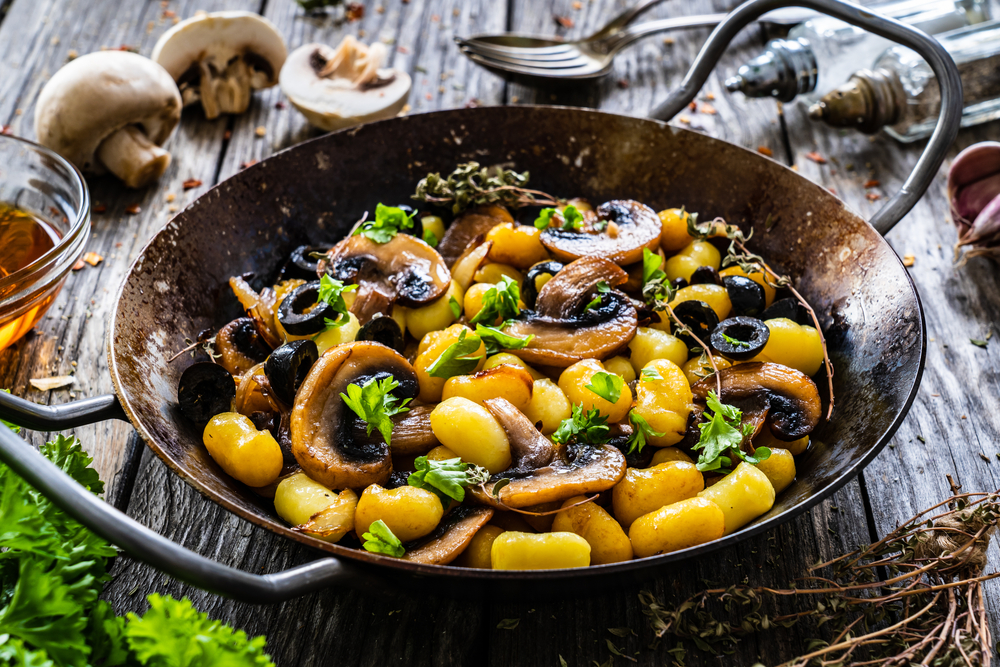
x: 39, y: 182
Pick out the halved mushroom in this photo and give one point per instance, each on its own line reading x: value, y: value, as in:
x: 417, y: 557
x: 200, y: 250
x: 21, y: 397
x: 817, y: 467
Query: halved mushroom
x: 405, y: 270
x: 631, y: 226
x: 568, y: 326
x: 783, y: 398
x: 338, y: 88
x: 475, y: 223
x: 110, y: 111
x: 323, y: 426
x: 450, y: 538
x: 219, y: 58
x: 529, y: 449
x: 411, y: 432
x: 240, y: 346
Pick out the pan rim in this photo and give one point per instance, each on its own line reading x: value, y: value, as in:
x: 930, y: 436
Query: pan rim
x: 364, y: 558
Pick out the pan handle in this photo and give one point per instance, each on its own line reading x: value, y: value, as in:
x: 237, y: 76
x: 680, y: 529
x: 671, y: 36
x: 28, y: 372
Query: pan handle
x: 144, y: 545
x: 929, y: 49
x: 37, y: 417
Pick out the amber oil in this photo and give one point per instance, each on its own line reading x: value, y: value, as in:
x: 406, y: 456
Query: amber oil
x: 24, y: 238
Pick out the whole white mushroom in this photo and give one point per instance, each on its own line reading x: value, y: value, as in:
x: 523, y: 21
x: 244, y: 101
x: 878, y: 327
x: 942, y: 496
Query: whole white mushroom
x: 110, y: 111
x: 220, y: 58
x: 338, y: 88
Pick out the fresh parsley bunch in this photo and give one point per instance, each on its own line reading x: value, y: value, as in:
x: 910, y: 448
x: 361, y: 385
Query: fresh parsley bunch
x: 374, y: 403
x: 447, y: 479
x: 499, y: 301
x: 590, y: 428
x: 52, y: 571
x: 331, y: 292
x: 572, y: 219
x: 721, y: 438
x: 389, y: 221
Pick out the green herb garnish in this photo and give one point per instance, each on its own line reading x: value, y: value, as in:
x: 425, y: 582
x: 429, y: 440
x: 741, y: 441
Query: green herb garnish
x: 430, y: 238
x: 456, y: 307
x: 602, y: 288
x: 472, y: 185
x: 388, y: 222
x: 650, y: 375
x: 544, y: 219
x: 374, y: 403
x: 499, y: 301
x: 734, y: 341
x: 656, y: 288
x: 380, y: 540
x: 721, y: 437
x: 590, y: 428
x: 331, y: 292
x: 447, y: 478
x: 641, y: 430
x: 607, y: 385
x: 496, y: 340
x: 456, y: 360
x: 572, y: 219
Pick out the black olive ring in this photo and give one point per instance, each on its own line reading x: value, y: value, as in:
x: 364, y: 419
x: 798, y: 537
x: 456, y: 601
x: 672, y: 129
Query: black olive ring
x: 287, y: 366
x: 740, y: 338
x: 205, y: 390
x: 292, y: 311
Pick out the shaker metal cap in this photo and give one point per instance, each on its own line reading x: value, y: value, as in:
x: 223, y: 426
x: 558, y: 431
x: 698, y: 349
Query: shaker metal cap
x: 786, y: 69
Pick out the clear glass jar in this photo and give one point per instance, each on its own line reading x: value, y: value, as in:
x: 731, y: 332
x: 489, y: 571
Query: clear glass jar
x: 39, y: 182
x: 900, y: 92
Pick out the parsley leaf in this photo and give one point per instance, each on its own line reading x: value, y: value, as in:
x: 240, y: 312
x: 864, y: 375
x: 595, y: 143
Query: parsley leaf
x: 607, y: 385
x: 723, y: 434
x: 572, y: 219
x: 447, y: 478
x: 331, y: 292
x: 380, y: 540
x: 456, y: 360
x: 656, y: 288
x: 602, y: 288
x: 388, y: 222
x: 499, y: 301
x: 734, y: 341
x: 600, y: 225
x: 650, y: 375
x: 641, y: 430
x: 13, y: 427
x: 496, y: 340
x: 374, y: 404
x: 456, y: 307
x: 430, y: 238
x: 591, y: 429
x: 544, y: 219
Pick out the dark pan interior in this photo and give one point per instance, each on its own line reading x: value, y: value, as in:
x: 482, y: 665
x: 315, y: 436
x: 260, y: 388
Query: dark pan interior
x: 315, y: 191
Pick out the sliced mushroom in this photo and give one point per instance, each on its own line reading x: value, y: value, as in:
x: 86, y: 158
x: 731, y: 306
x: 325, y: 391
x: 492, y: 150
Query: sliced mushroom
x: 450, y: 538
x: 110, y: 111
x: 783, y: 398
x: 338, y: 88
x: 219, y: 58
x: 575, y: 470
x: 566, y: 327
x: 631, y: 226
x: 528, y: 448
x: 240, y: 346
x: 405, y: 270
x: 411, y: 432
x: 474, y: 224
x: 323, y: 427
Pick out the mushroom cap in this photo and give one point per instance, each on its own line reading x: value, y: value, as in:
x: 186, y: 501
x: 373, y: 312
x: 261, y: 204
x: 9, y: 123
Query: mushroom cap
x: 97, y: 94
x: 223, y: 36
x: 637, y: 227
x: 333, y: 103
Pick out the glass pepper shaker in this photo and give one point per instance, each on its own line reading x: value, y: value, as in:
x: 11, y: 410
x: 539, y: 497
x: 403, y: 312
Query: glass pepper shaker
x: 821, y: 53
x: 900, y: 92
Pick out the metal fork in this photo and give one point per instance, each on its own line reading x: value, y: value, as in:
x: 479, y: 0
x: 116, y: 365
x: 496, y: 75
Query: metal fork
x: 592, y: 57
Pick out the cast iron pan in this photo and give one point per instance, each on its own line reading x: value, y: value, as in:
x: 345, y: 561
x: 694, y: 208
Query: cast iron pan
x: 313, y: 192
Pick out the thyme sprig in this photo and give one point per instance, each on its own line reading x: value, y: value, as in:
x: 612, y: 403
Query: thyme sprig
x: 929, y: 610
x: 473, y: 185
x: 738, y: 255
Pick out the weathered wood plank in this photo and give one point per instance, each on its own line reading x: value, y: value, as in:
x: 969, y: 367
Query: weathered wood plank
x: 36, y: 38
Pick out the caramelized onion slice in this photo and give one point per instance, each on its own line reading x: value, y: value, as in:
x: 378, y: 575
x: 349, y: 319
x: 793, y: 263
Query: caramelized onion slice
x: 631, y: 227
x: 450, y: 538
x: 464, y: 231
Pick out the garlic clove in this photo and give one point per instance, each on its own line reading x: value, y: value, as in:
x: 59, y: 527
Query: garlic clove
x: 971, y: 199
x: 985, y: 228
x: 974, y: 198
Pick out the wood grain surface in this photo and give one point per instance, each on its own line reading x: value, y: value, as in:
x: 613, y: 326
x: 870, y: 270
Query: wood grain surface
x: 951, y: 429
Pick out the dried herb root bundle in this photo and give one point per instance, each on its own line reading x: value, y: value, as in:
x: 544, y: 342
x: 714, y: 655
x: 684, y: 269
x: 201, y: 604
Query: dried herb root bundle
x: 914, y: 597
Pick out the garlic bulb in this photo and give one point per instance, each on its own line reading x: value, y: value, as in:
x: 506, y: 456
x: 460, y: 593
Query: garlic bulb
x: 974, y: 194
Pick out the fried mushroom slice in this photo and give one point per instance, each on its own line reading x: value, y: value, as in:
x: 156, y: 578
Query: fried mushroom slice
x: 782, y: 398
x: 405, y: 270
x: 240, y: 346
x: 529, y: 449
x: 450, y: 538
x: 474, y: 224
x: 411, y: 432
x: 567, y: 325
x: 630, y: 227
x: 323, y: 427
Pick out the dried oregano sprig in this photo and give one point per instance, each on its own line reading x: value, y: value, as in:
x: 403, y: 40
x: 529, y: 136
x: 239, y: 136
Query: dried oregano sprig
x: 929, y: 611
x: 472, y: 185
x: 750, y: 263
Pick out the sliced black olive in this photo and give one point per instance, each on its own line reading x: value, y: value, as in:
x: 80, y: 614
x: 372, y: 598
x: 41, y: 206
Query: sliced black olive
x: 705, y: 275
x: 620, y: 437
x: 205, y: 390
x: 301, y: 313
x: 679, y: 283
x: 287, y: 367
x: 529, y: 291
x: 789, y: 308
x: 397, y: 479
x: 301, y: 263
x: 746, y: 296
x: 740, y: 338
x: 382, y: 329
x: 697, y: 316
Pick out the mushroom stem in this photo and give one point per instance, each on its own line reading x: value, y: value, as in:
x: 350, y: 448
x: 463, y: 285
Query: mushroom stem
x: 228, y: 92
x: 131, y: 156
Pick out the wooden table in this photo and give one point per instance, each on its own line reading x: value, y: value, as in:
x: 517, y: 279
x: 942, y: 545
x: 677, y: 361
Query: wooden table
x: 951, y: 429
